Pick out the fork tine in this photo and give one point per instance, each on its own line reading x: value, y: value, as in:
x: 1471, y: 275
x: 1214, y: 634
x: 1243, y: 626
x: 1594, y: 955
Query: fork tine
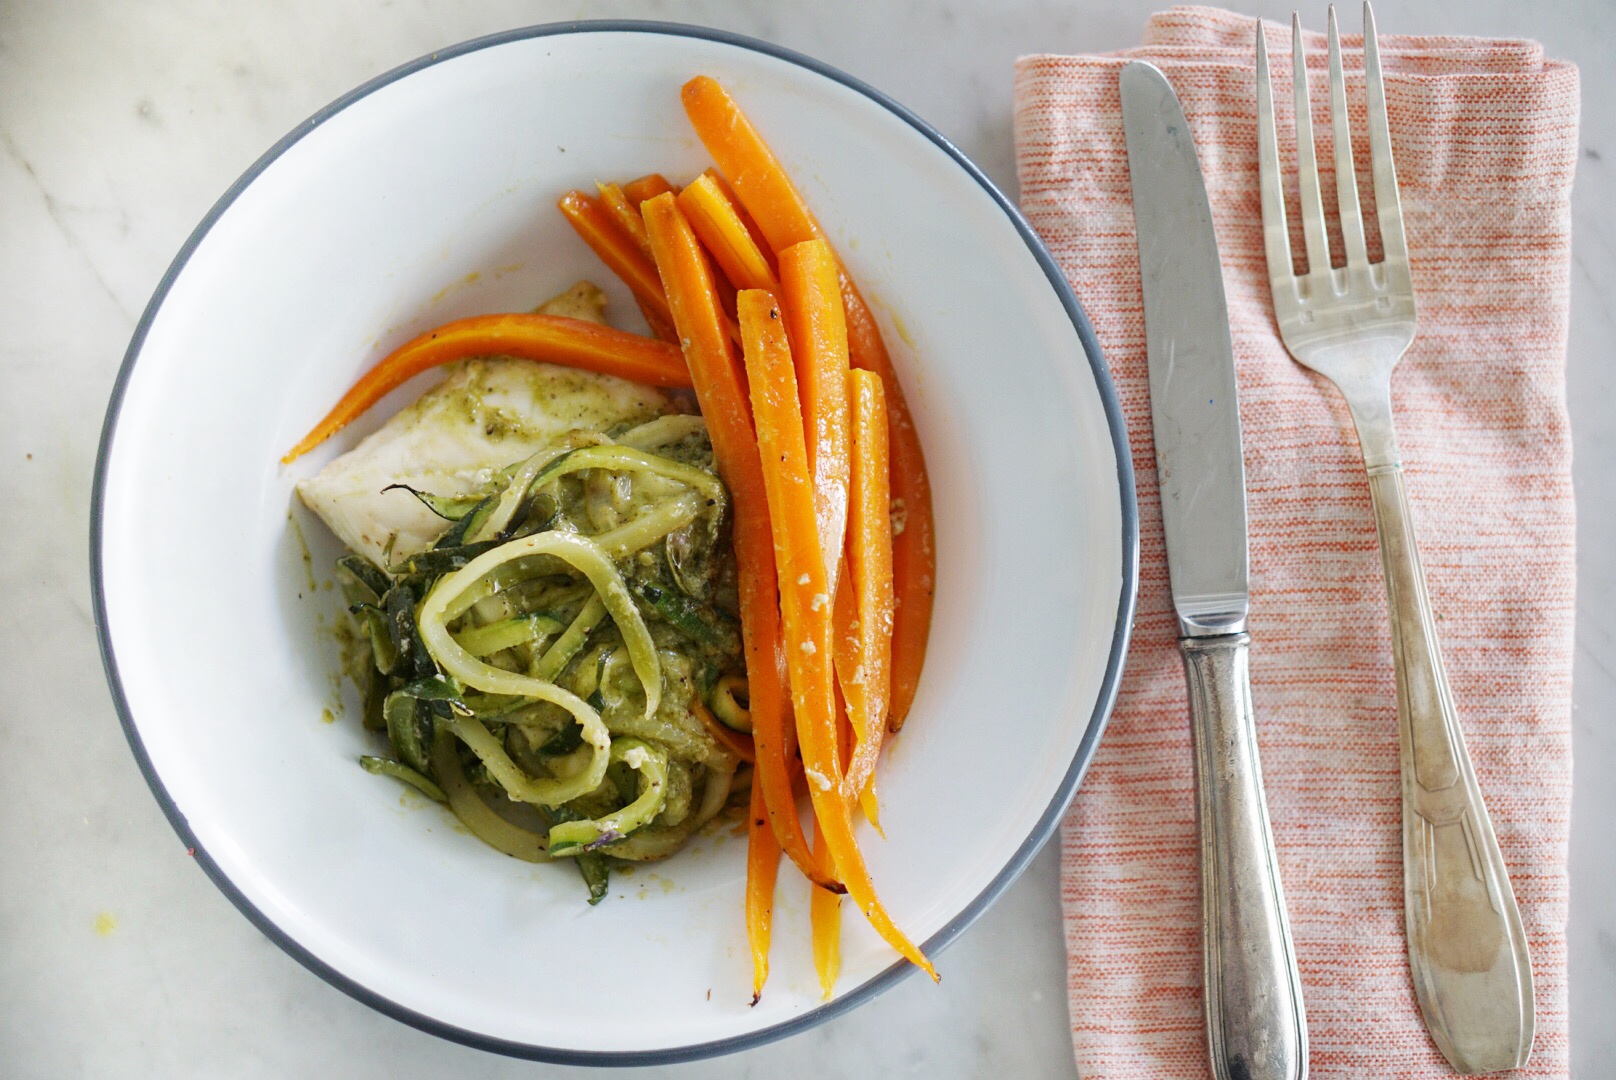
x: 1276, y: 235
x: 1318, y: 243
x: 1389, y: 208
x: 1346, y: 175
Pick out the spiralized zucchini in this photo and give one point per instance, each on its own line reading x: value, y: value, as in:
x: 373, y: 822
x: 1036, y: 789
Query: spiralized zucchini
x: 652, y: 765
x: 728, y: 693
x: 538, y: 667
x: 663, y: 430
x: 585, y: 555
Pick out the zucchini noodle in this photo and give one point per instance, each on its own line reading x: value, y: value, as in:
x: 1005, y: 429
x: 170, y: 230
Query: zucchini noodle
x: 505, y: 634
x: 516, y: 491
x: 540, y: 791
x: 404, y: 774
x: 572, y: 837
x: 681, y: 741
x: 652, y: 842
x: 647, y: 529
x: 627, y: 459
x: 726, y: 705
x: 585, y: 555
x: 662, y: 431
x: 490, y: 586
x: 720, y: 777
x: 567, y: 645
x: 485, y: 825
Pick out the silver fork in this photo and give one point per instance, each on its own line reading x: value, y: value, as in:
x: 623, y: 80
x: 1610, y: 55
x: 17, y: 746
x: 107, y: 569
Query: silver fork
x: 1472, y: 974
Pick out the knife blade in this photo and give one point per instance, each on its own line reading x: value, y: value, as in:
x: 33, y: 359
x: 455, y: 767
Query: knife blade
x: 1194, y: 403
x: 1256, y: 1028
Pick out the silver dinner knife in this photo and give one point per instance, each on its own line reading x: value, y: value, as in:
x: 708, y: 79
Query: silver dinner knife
x: 1254, y: 1019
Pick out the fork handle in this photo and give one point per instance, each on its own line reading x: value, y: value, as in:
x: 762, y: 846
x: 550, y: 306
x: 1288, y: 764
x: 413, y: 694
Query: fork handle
x: 1467, y: 950
x: 1254, y: 1018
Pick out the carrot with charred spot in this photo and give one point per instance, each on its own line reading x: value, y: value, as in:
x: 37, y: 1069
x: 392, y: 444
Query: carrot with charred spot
x: 762, y: 871
x: 555, y: 339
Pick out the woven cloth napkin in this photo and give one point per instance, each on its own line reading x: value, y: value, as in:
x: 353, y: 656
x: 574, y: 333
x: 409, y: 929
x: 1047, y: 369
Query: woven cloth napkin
x: 1485, y: 140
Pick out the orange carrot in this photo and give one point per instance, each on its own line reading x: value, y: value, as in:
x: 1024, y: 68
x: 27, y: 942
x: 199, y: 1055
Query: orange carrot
x: 762, y: 871
x: 626, y: 215
x: 914, y: 550
x: 760, y: 182
x: 718, y: 225
x: 752, y: 229
x: 870, y: 563
x: 721, y: 392
x: 825, y: 909
x: 726, y: 300
x: 648, y: 186
x: 825, y: 922
x: 812, y: 304
x: 784, y: 218
x: 850, y: 681
x: 552, y: 338
x: 616, y: 249
x: 804, y: 600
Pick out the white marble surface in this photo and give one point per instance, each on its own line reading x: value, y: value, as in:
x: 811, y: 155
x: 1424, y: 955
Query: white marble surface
x: 120, y: 124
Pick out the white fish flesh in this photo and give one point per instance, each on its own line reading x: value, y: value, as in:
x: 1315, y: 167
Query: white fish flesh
x: 485, y: 415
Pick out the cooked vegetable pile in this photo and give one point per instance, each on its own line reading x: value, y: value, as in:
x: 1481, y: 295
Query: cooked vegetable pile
x: 571, y: 631
x: 557, y: 645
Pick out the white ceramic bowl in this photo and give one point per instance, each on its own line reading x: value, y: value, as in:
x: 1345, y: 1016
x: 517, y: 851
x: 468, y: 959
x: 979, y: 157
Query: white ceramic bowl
x: 429, y: 194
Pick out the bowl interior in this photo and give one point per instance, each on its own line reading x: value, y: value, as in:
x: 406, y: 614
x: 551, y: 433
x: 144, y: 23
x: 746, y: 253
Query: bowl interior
x: 432, y: 197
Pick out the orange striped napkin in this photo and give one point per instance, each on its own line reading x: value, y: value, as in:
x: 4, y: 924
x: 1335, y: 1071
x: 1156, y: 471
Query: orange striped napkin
x: 1485, y: 134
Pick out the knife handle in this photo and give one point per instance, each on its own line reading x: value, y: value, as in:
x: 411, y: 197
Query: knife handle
x: 1466, y: 946
x: 1254, y: 1020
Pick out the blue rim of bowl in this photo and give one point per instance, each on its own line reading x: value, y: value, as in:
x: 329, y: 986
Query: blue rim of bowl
x: 1024, y: 854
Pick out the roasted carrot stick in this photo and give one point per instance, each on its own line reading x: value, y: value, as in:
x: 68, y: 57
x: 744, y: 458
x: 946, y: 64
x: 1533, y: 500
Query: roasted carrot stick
x: 825, y: 922
x: 644, y: 187
x: 721, y: 391
x: 759, y: 180
x: 781, y: 213
x: 752, y: 229
x: 627, y: 216
x: 914, y: 548
x: 718, y: 225
x: 811, y: 302
x: 731, y: 239
x: 594, y: 223
x: 825, y: 909
x: 762, y: 871
x: 804, y: 602
x: 553, y: 338
x: 850, y: 681
x: 870, y: 563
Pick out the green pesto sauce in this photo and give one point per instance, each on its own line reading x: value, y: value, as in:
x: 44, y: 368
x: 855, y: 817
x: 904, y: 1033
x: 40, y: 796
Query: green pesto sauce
x: 303, y: 551
x: 565, y: 398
